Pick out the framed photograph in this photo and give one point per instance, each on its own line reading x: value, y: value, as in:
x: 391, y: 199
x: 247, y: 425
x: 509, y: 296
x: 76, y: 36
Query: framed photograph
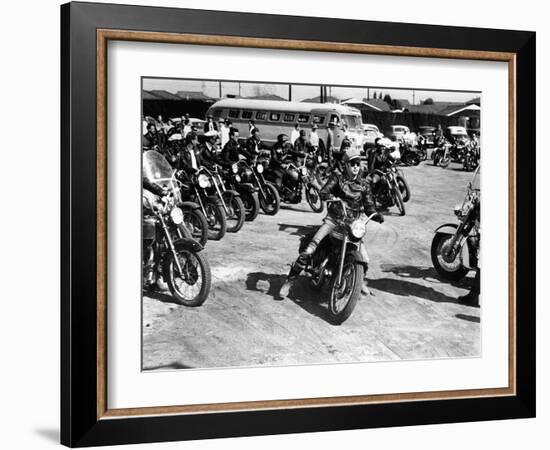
x: 272, y: 224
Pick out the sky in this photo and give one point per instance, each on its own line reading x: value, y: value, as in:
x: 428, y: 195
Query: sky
x: 301, y: 92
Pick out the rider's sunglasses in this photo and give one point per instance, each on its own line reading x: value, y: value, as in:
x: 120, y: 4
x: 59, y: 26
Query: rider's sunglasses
x: 355, y: 163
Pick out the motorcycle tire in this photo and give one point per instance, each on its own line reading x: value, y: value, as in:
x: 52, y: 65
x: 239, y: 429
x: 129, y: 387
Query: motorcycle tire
x: 313, y: 197
x: 236, y: 209
x: 438, y: 242
x: 215, y: 216
x: 251, y: 205
x: 404, y: 188
x: 343, y: 299
x: 271, y: 202
x: 398, y: 200
x: 444, y: 162
x: 199, y: 270
x: 436, y: 159
x: 195, y: 221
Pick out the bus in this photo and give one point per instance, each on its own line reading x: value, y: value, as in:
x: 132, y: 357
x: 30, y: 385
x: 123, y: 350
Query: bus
x: 274, y: 117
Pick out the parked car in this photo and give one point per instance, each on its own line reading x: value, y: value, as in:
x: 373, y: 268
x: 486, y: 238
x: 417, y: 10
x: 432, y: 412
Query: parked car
x: 457, y: 135
x: 428, y: 133
x: 399, y: 132
x: 370, y: 134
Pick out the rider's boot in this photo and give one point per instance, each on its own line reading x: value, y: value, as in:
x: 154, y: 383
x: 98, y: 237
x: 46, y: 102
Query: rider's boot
x: 296, y: 268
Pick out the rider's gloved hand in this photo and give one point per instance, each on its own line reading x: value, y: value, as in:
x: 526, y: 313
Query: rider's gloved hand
x: 378, y: 218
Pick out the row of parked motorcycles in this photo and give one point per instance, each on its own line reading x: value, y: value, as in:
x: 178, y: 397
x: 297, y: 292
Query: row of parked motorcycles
x: 465, y: 153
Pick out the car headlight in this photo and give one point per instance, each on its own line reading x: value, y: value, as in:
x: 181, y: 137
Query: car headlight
x: 358, y: 229
x: 238, y: 178
x: 234, y: 168
x: 303, y: 170
x: 260, y: 168
x: 176, y: 215
x: 204, y: 182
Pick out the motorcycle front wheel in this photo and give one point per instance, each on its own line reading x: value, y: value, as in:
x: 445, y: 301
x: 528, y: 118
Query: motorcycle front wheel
x: 444, y: 162
x: 251, y: 205
x: 236, y: 212
x: 215, y: 216
x: 191, y: 287
x: 196, y: 223
x: 450, y: 270
x: 404, y: 188
x: 313, y: 198
x: 398, y: 200
x: 270, y: 201
x: 343, y: 298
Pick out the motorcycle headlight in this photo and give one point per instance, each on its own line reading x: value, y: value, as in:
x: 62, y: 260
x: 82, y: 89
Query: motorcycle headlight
x: 358, y: 229
x: 234, y: 168
x: 176, y: 215
x: 319, y: 159
x: 260, y: 168
x: 204, y: 182
x: 303, y: 170
x: 238, y: 178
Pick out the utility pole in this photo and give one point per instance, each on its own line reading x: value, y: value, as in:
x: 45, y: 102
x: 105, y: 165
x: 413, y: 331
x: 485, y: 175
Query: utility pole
x: 289, y: 92
x: 220, y: 84
x: 414, y: 98
x: 239, y: 88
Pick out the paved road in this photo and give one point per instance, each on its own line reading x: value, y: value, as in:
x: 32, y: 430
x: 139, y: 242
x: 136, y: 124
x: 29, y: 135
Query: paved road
x: 409, y: 314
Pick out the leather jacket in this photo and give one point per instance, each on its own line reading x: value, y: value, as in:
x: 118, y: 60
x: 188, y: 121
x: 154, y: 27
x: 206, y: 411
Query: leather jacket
x: 356, y: 193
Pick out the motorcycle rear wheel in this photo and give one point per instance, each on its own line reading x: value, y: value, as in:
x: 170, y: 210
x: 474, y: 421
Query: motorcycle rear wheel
x: 192, y: 287
x: 237, y: 212
x: 454, y: 271
x: 343, y: 298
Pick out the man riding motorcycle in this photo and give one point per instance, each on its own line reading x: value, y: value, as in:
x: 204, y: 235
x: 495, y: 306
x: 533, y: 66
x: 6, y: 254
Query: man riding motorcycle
x: 279, y: 151
x: 349, y: 186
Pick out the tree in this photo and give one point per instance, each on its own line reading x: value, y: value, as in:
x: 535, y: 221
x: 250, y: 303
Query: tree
x: 387, y: 99
x: 374, y: 97
x: 428, y: 101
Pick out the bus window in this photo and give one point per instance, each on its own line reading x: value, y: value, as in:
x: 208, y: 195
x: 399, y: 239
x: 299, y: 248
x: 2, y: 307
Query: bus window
x: 288, y: 118
x: 246, y: 115
x: 233, y: 113
x: 303, y: 118
x: 217, y: 113
x: 274, y: 117
x: 353, y: 122
x: 261, y: 115
x: 334, y: 119
x: 319, y: 120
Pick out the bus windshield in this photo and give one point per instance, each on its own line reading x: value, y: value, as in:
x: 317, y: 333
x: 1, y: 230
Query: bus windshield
x: 353, y: 122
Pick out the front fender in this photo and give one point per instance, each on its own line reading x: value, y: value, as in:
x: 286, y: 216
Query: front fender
x: 232, y: 192
x: 187, y: 244
x: 189, y: 205
x: 246, y: 187
x: 447, y: 228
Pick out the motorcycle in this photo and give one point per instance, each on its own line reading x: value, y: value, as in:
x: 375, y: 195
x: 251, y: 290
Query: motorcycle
x: 233, y: 178
x: 440, y: 154
x: 390, y: 188
x: 169, y: 252
x: 471, y: 157
x: 455, y: 248
x: 268, y: 196
x: 297, y: 178
x: 197, y: 188
x: 193, y: 218
x: 339, y: 263
x: 409, y: 155
x: 230, y: 200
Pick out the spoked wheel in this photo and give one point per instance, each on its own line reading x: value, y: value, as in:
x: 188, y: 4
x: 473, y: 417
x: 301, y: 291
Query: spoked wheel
x: 251, y: 205
x: 236, y: 212
x: 191, y: 286
x: 404, y: 188
x: 197, y: 224
x: 217, y: 224
x: 398, y: 200
x: 313, y: 198
x: 343, y: 297
x: 449, y: 268
x: 270, y: 201
x: 444, y: 162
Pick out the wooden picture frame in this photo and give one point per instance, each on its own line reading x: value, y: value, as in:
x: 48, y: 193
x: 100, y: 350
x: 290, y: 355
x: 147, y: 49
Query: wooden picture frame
x: 85, y: 417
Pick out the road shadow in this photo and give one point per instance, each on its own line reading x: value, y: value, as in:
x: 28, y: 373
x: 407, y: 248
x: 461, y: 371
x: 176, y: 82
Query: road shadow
x: 468, y: 318
x: 409, y: 289
x: 172, y: 366
x: 422, y: 272
x: 297, y: 230
x: 302, y: 293
x: 50, y: 434
x: 164, y: 298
